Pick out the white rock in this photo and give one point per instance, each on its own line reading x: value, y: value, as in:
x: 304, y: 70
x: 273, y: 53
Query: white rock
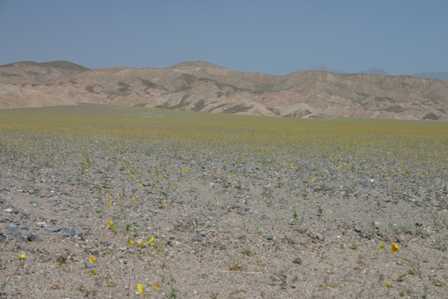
x: 41, y: 223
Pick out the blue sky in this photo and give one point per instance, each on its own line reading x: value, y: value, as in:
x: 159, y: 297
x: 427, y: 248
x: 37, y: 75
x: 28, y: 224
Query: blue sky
x: 281, y: 36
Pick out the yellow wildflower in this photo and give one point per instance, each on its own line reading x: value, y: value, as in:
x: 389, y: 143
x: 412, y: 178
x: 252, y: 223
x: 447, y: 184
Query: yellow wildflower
x: 185, y: 170
x: 109, y: 201
x: 92, y: 260
x: 22, y: 256
x: 111, y: 225
x: 140, y: 289
x: 381, y: 246
x: 151, y: 241
x: 395, y: 247
x: 140, y: 243
x: 156, y: 286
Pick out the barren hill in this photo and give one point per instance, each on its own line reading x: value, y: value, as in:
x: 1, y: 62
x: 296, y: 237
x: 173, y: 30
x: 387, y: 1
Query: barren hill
x: 435, y: 76
x: 201, y: 86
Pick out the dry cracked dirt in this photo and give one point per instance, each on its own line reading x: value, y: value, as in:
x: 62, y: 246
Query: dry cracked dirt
x: 207, y: 221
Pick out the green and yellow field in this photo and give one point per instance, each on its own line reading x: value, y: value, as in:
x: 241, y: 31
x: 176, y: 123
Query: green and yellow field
x: 91, y: 120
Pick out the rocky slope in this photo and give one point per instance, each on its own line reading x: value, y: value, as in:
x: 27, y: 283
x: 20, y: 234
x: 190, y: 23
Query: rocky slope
x: 200, y: 86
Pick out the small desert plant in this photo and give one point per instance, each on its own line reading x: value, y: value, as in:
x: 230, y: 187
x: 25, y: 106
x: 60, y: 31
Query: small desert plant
x: 86, y: 162
x: 110, y: 224
x: 172, y: 294
x: 295, y: 217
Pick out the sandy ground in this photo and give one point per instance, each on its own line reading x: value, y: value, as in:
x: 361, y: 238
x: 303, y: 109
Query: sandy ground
x: 208, y: 222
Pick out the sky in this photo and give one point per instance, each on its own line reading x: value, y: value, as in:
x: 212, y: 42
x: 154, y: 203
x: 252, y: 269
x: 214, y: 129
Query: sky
x: 408, y: 36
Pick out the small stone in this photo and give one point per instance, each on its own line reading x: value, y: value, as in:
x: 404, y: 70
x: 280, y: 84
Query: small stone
x: 8, y: 210
x: 12, y: 228
x: 61, y: 260
x: 31, y: 237
x: 315, y: 236
x: 54, y: 229
x: 41, y: 224
x: 68, y: 232
x: 297, y: 261
x: 269, y: 237
x: 197, y: 238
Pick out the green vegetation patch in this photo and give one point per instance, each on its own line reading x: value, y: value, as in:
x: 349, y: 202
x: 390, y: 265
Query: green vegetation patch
x: 227, y: 129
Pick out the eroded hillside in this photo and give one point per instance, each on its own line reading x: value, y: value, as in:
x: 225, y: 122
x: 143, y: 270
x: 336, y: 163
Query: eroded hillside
x: 200, y: 86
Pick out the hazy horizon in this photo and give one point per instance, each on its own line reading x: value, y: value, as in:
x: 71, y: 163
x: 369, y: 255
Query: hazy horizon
x: 276, y: 38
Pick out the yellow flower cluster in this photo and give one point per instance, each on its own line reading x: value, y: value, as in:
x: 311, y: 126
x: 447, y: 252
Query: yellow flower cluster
x: 140, y: 243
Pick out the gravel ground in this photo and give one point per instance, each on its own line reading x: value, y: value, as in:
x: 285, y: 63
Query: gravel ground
x: 204, y: 221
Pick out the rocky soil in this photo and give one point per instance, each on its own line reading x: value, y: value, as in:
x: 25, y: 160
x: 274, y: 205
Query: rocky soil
x: 205, y: 221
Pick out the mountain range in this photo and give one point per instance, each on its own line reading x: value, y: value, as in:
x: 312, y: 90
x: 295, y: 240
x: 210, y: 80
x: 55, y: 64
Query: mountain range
x: 434, y: 75
x: 202, y: 86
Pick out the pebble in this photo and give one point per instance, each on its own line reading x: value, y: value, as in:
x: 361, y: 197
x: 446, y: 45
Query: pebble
x: 197, y: 238
x: 316, y: 236
x: 297, y: 261
x: 31, y: 237
x: 21, y: 233
x: 67, y: 232
x: 269, y: 237
x: 8, y: 210
x: 70, y: 232
x: 41, y: 224
x: 12, y: 227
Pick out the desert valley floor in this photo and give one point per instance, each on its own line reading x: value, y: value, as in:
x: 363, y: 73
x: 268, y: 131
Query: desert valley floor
x: 98, y: 202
